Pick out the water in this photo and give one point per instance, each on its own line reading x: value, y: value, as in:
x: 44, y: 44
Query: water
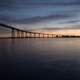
x: 40, y: 59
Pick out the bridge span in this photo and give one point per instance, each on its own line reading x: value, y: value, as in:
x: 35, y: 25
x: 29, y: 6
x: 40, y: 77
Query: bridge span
x: 26, y: 34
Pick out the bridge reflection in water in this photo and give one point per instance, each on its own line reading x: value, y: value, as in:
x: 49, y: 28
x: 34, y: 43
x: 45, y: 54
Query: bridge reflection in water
x: 18, y: 33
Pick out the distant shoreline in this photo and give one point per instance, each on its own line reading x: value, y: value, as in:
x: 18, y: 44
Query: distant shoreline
x: 38, y: 37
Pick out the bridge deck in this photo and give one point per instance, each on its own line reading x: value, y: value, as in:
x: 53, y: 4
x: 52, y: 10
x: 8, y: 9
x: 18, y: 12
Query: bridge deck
x: 19, y: 31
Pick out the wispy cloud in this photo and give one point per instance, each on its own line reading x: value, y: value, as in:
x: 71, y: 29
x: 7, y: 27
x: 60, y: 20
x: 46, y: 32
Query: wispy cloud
x: 40, y: 13
x: 73, y: 27
x: 36, y: 19
x: 70, y: 21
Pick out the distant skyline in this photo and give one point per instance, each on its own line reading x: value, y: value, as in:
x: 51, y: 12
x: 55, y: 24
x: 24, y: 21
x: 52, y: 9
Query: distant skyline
x: 41, y: 15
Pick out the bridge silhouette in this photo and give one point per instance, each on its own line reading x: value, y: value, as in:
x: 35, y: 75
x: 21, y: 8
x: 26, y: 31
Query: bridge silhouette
x: 26, y: 34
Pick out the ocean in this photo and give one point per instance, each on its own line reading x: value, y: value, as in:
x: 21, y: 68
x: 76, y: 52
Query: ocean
x: 40, y: 59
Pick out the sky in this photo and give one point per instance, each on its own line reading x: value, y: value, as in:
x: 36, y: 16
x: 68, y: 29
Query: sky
x: 41, y: 15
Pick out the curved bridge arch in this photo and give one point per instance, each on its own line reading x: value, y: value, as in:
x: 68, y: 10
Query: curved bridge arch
x: 28, y: 34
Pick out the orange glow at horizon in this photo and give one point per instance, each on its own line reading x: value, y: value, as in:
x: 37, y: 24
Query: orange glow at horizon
x: 62, y: 32
x: 57, y: 32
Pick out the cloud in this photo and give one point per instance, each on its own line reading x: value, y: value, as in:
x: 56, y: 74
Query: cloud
x: 73, y: 27
x: 54, y: 4
x: 49, y: 2
x: 69, y: 22
x: 35, y: 19
x: 37, y: 11
x: 16, y: 4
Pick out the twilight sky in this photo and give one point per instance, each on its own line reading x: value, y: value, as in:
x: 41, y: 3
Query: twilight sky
x: 48, y: 15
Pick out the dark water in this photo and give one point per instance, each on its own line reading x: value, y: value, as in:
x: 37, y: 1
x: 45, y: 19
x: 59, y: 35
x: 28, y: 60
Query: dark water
x: 40, y: 59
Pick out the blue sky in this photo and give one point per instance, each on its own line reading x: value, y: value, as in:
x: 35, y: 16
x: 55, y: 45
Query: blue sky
x: 41, y: 14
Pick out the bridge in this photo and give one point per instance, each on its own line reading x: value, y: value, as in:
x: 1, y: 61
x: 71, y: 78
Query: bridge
x: 26, y: 34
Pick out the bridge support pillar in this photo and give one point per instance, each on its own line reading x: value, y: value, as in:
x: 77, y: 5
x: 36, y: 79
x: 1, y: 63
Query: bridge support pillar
x: 52, y: 36
x: 13, y: 33
x: 30, y: 35
x: 22, y: 34
x: 47, y: 35
x: 26, y: 36
x: 18, y: 34
x: 35, y: 35
x: 43, y: 35
x: 39, y: 35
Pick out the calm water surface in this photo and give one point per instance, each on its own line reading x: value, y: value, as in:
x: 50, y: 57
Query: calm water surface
x: 40, y: 59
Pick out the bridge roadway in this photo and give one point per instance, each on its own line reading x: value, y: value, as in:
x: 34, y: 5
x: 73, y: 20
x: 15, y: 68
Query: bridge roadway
x: 26, y: 34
